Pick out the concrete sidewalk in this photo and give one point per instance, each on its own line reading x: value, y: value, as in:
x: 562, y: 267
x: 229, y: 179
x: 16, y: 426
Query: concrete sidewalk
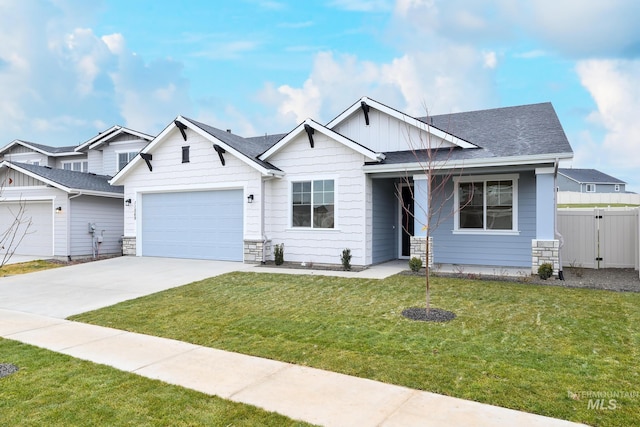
x: 302, y: 393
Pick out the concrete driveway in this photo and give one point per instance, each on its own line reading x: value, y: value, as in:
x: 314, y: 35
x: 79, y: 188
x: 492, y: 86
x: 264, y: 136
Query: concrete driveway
x: 62, y: 292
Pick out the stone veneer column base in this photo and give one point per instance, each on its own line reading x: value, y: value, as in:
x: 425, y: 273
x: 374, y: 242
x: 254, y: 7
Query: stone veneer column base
x: 253, y: 251
x: 419, y: 249
x: 545, y: 251
x: 129, y: 245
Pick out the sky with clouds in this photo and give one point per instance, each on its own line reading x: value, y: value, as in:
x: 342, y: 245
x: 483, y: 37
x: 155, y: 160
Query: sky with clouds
x: 72, y: 68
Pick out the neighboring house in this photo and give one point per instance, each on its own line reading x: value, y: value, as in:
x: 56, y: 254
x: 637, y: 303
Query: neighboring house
x: 65, y: 191
x: 588, y: 181
x: 200, y: 192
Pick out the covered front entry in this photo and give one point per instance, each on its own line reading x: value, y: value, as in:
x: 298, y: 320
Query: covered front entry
x: 392, y: 219
x: 37, y: 238
x: 194, y: 224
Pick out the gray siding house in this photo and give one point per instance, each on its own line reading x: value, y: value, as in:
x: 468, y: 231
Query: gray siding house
x: 588, y: 181
x: 66, y: 195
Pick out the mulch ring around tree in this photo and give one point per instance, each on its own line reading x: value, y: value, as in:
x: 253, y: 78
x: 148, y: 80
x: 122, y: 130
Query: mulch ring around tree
x: 7, y: 369
x: 434, y: 314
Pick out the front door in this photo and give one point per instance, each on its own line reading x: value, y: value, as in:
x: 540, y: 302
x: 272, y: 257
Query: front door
x: 406, y: 216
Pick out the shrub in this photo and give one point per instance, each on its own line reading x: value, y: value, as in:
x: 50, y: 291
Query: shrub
x: 278, y: 253
x: 346, y: 259
x: 415, y: 264
x: 545, y: 271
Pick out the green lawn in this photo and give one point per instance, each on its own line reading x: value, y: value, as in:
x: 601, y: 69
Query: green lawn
x: 52, y: 389
x: 520, y: 346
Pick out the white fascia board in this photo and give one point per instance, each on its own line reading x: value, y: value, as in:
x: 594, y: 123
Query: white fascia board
x: 327, y: 132
x: 78, y: 192
x: 469, y: 163
x: 98, y: 137
x: 37, y: 149
x: 35, y: 176
x: 402, y: 117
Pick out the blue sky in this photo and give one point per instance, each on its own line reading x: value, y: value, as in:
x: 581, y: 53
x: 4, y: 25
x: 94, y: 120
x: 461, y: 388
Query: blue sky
x: 72, y: 68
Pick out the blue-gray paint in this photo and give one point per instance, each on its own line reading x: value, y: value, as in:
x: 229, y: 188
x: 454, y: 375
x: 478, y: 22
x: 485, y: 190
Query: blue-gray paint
x: 385, y: 220
x: 197, y: 224
x: 488, y: 250
x: 545, y: 203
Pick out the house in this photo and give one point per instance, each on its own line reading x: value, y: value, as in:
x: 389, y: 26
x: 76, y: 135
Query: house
x: 65, y: 192
x: 357, y: 182
x: 588, y: 181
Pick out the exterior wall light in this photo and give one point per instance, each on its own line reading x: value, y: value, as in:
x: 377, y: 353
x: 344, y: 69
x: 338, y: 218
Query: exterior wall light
x: 127, y: 202
x: 59, y: 209
x: 250, y: 198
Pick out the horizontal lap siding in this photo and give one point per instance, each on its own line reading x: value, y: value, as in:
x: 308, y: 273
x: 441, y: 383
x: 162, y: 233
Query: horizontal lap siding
x: 328, y: 160
x: 490, y: 250
x: 106, y: 214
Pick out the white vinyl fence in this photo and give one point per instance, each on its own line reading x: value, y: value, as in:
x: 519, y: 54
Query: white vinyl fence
x: 575, y: 198
x: 600, y: 238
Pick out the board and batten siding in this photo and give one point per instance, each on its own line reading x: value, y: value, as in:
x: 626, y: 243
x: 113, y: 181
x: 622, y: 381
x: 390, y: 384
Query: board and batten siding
x: 203, y: 172
x: 106, y: 214
x: 489, y: 250
x: 386, y: 133
x: 328, y: 160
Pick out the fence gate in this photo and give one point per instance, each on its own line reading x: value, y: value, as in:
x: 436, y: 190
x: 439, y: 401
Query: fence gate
x: 599, y: 238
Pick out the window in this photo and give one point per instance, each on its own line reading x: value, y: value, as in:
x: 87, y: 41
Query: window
x: 591, y: 188
x: 79, y: 166
x: 124, y: 158
x: 486, y: 204
x: 185, y: 154
x: 616, y: 188
x: 313, y: 204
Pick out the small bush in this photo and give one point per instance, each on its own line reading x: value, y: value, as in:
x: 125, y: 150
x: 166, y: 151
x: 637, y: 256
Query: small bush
x: 415, y: 264
x: 545, y: 271
x: 345, y: 258
x: 278, y: 253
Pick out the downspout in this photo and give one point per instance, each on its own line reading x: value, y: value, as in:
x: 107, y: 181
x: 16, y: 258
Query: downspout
x: 555, y: 220
x: 262, y: 221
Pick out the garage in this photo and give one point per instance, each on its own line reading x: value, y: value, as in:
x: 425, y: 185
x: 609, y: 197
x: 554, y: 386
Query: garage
x: 195, y: 224
x: 38, y: 240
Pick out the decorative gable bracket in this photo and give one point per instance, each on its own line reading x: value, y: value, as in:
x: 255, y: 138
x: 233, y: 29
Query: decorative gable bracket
x: 147, y: 158
x: 309, y: 131
x: 365, y: 110
x: 220, y: 152
x: 182, y: 128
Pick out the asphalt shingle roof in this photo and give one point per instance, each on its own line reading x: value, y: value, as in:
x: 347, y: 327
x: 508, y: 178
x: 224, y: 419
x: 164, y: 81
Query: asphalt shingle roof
x: 52, y: 150
x: 589, y: 176
x: 73, y: 179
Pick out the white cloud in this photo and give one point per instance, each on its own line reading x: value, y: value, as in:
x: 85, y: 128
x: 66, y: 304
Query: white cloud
x: 614, y: 86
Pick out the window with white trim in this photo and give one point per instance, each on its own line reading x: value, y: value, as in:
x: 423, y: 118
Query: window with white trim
x: 591, y: 188
x: 79, y: 166
x: 312, y: 203
x: 124, y: 158
x: 486, y: 204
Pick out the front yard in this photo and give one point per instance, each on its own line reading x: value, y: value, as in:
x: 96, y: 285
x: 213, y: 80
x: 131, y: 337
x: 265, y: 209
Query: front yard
x: 540, y: 349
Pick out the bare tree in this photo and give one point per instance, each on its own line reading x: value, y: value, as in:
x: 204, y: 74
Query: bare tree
x: 434, y: 157
x: 15, y: 231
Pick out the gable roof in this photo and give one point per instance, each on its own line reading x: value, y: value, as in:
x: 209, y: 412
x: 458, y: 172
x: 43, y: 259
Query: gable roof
x: 245, y: 149
x: 326, y: 131
x: 412, y: 121
x: 41, y: 148
x: 509, y: 135
x: 67, y: 180
x: 104, y: 137
x: 589, y: 176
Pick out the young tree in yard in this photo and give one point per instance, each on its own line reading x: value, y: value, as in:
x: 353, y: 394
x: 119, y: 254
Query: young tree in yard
x: 16, y: 225
x: 433, y: 205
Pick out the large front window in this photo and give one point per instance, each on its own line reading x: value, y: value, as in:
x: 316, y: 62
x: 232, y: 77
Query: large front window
x: 486, y: 204
x: 313, y: 203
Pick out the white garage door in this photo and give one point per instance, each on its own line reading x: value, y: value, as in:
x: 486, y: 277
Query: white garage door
x: 38, y: 238
x: 196, y: 224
